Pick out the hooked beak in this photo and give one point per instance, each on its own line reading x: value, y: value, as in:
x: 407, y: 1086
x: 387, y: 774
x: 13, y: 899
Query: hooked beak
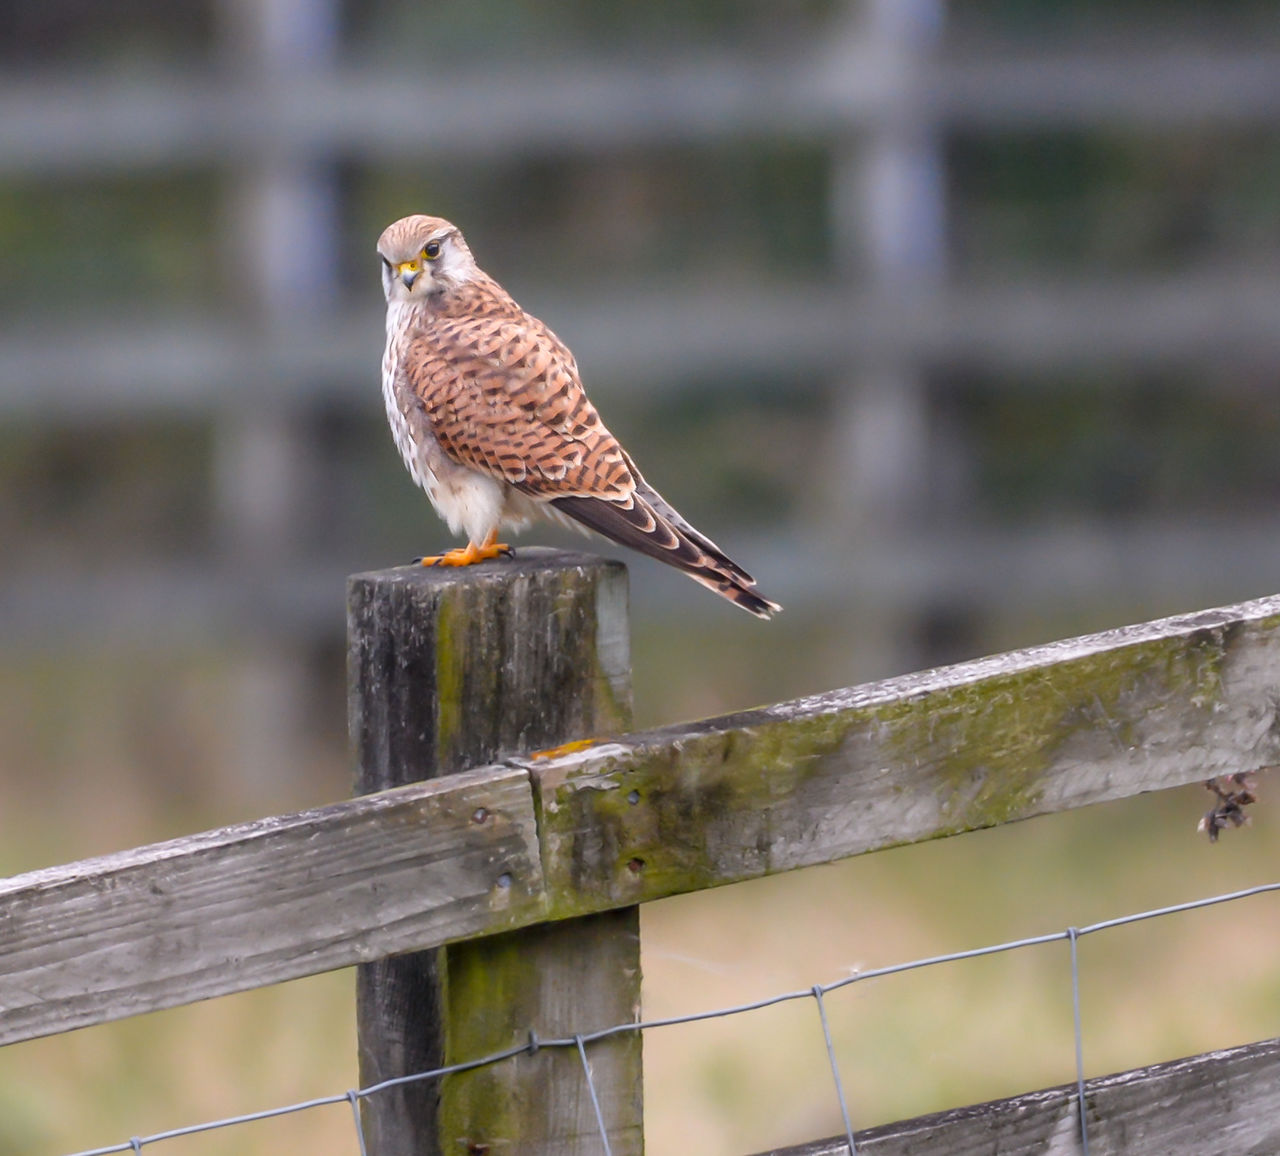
x: 408, y: 272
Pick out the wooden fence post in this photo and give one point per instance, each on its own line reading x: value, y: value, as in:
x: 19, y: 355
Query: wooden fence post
x: 450, y: 669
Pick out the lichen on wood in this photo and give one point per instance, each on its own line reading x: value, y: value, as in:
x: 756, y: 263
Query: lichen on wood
x: 918, y: 757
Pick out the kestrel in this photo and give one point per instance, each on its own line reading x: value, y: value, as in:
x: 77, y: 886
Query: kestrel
x: 490, y: 416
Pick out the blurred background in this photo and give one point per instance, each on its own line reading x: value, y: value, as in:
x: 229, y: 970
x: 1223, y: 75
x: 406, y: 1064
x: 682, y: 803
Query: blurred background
x: 957, y: 324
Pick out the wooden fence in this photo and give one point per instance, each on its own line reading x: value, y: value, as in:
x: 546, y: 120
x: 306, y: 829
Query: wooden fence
x: 497, y: 889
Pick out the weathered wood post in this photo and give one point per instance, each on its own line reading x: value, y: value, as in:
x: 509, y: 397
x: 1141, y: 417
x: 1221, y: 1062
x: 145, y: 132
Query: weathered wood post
x: 450, y: 669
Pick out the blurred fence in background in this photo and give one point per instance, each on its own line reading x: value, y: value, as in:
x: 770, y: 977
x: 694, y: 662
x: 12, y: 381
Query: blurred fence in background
x: 881, y: 517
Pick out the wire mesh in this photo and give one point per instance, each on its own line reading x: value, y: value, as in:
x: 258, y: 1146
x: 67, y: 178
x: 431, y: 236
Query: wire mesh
x: 817, y: 992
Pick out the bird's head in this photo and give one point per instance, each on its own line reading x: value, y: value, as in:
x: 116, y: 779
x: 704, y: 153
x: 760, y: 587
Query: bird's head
x: 422, y: 256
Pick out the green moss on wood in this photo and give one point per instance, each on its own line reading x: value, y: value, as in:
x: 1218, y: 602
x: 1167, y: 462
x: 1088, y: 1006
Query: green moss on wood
x: 497, y: 990
x: 450, y: 634
x: 768, y: 792
x: 486, y: 992
x: 656, y: 828
x: 991, y: 743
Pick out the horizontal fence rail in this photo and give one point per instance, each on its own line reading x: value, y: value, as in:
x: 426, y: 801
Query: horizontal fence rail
x: 1189, y: 1102
x: 658, y: 813
x: 667, y: 337
x: 841, y: 86
x: 985, y: 569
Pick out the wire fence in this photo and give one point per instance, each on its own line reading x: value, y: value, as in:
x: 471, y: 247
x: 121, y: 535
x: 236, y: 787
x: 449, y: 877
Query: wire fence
x: 817, y: 992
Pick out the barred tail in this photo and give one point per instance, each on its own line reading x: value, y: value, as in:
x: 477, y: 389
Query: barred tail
x: 645, y: 522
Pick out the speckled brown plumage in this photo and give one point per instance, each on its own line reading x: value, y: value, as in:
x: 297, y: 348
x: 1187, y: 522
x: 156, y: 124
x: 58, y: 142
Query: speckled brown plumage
x: 502, y: 395
x: 488, y: 411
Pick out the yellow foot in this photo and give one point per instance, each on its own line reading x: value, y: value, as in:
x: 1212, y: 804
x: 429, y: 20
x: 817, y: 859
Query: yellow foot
x: 565, y: 749
x: 469, y: 554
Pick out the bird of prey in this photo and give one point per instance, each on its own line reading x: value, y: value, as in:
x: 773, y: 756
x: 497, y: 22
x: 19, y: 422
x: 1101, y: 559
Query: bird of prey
x: 489, y: 414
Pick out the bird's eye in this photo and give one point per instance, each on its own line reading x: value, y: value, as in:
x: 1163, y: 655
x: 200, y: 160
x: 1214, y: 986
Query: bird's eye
x: 385, y: 263
x: 431, y: 250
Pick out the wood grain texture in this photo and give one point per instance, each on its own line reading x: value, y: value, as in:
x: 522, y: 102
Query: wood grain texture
x: 912, y: 758
x: 1224, y: 1103
x: 252, y: 904
x: 450, y: 668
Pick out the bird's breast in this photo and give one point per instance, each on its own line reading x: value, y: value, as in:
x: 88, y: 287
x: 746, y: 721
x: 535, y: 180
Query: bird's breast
x: 409, y: 426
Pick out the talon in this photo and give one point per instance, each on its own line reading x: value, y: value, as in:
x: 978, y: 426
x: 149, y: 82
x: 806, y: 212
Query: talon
x: 470, y: 554
x: 565, y: 749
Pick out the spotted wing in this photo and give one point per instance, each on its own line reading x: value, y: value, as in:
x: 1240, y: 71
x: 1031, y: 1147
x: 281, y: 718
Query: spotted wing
x: 503, y: 396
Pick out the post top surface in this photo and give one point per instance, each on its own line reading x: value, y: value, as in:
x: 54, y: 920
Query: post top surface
x: 528, y: 560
